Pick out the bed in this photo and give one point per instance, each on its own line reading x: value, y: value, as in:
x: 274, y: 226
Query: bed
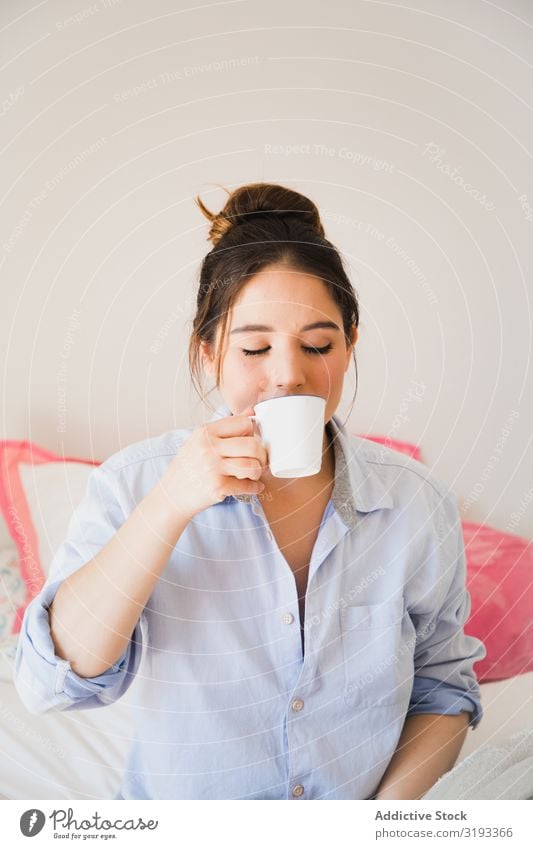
x: 81, y: 754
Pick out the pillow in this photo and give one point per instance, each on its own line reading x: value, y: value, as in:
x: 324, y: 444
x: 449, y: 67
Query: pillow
x: 500, y: 583
x: 396, y: 445
x: 39, y: 491
x: 12, y: 595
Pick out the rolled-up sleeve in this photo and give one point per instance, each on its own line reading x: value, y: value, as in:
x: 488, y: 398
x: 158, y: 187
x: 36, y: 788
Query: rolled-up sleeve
x: 44, y: 681
x: 444, y: 656
x: 432, y: 696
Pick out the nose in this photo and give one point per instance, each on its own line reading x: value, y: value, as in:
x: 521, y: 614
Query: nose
x: 288, y: 372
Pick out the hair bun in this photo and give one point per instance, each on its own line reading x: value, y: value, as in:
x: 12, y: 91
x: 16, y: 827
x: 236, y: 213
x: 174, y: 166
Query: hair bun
x: 259, y: 199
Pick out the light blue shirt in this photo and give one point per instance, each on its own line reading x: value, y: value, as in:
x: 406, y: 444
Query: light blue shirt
x: 230, y: 707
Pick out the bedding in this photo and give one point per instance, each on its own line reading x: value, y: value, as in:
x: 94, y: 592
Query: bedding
x: 503, y: 771
x: 80, y: 754
x: 73, y: 755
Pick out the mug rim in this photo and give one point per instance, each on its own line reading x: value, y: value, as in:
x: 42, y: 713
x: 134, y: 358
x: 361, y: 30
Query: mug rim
x: 282, y: 397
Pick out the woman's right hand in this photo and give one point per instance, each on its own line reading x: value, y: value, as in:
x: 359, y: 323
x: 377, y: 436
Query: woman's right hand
x: 219, y: 458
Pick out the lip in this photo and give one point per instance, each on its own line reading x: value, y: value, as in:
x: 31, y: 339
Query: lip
x: 273, y: 397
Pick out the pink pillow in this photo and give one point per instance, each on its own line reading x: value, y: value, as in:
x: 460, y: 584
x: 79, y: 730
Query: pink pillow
x: 39, y: 491
x: 396, y: 445
x: 500, y: 583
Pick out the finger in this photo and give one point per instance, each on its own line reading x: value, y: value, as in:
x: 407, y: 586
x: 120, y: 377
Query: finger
x: 230, y: 486
x: 243, y: 446
x: 232, y: 426
x: 240, y: 468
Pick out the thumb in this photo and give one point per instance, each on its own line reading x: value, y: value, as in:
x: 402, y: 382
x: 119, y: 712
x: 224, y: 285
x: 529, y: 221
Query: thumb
x: 248, y: 411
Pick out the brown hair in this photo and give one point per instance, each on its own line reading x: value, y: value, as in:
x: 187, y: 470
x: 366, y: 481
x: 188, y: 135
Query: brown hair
x: 262, y: 224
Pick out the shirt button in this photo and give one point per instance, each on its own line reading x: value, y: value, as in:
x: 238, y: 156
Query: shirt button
x: 297, y: 705
x: 287, y: 618
x: 269, y: 535
x: 297, y: 790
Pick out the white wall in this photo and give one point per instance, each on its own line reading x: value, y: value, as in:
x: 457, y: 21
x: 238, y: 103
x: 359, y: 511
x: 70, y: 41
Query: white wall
x: 112, y: 122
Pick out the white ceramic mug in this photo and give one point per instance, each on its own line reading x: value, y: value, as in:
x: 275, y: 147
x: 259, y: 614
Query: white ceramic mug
x: 292, y: 429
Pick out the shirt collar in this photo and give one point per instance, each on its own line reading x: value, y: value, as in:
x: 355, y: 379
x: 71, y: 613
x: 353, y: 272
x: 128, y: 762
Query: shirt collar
x: 357, y: 488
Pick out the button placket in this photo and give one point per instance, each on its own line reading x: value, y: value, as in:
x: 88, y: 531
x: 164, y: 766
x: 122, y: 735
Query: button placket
x: 300, y: 764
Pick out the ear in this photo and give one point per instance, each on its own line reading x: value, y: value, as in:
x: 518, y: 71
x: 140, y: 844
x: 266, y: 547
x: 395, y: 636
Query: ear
x: 349, y: 350
x: 208, y: 361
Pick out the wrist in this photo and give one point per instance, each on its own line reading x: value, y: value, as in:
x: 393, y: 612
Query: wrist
x: 174, y: 512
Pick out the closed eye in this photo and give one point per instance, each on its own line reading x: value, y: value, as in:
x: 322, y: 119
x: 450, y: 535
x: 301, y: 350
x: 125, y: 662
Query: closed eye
x: 311, y: 350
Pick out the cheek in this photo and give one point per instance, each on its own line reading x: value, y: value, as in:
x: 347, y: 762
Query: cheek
x: 240, y: 371
x: 246, y: 367
x: 332, y: 368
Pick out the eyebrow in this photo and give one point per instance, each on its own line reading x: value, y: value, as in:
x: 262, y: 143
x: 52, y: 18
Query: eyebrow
x: 247, y: 328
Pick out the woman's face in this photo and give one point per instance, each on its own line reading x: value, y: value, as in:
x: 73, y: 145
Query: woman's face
x: 283, y: 301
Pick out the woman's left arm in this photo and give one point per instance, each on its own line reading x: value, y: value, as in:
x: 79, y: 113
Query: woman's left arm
x: 429, y: 746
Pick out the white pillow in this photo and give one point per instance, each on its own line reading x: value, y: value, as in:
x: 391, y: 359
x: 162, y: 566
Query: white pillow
x: 53, y: 491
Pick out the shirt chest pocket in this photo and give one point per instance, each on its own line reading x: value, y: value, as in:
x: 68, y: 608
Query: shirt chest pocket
x: 377, y: 665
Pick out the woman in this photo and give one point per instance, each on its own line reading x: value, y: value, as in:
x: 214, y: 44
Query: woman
x: 303, y: 638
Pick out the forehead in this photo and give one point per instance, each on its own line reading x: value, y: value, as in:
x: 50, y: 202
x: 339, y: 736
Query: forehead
x: 286, y: 294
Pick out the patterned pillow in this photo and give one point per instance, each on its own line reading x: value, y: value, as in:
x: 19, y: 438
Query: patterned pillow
x: 39, y: 491
x: 12, y: 595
